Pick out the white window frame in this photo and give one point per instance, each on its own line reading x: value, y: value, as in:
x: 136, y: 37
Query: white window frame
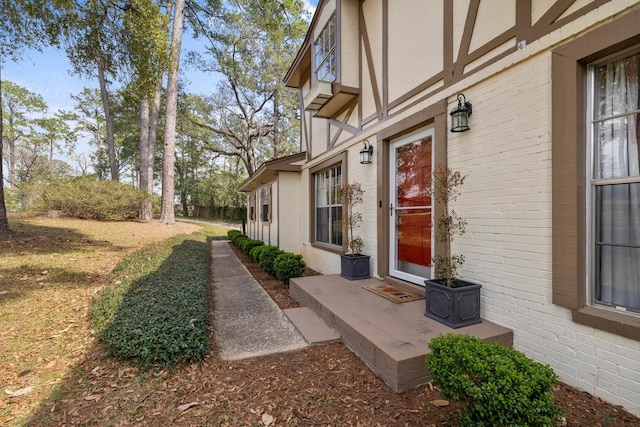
x: 324, y: 51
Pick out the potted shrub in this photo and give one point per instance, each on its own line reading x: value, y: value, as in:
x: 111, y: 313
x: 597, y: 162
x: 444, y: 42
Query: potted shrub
x: 353, y: 264
x: 449, y: 299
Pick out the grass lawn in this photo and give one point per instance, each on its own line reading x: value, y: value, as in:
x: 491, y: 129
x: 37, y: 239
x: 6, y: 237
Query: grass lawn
x: 49, y: 275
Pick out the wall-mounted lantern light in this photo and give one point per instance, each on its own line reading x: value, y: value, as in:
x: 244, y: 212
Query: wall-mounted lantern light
x: 460, y: 115
x: 366, y: 153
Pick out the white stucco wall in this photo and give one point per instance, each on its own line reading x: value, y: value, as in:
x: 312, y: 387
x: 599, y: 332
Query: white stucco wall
x: 289, y: 205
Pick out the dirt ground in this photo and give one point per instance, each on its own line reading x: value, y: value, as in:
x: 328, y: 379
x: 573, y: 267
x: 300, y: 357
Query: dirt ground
x: 317, y: 386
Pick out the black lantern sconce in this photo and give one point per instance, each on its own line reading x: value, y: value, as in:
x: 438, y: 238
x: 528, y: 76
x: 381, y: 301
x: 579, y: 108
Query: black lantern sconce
x: 460, y: 115
x: 366, y: 154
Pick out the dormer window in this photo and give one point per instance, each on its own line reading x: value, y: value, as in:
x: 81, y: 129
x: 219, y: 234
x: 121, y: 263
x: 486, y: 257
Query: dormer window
x: 325, y: 52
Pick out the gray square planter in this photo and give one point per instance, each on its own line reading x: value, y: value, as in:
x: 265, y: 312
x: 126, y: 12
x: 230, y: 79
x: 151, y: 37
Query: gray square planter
x: 354, y: 267
x: 455, y: 307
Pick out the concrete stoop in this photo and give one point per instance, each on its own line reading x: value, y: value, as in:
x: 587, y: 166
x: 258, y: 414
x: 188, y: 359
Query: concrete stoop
x: 391, y: 338
x: 311, y: 326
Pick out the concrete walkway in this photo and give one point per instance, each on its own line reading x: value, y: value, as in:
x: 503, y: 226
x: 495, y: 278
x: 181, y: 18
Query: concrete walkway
x: 248, y: 322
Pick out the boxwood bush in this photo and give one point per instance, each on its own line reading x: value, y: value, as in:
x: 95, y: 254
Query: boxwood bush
x: 154, y: 310
x: 238, y: 239
x: 254, y: 254
x: 247, y: 245
x: 232, y: 234
x: 288, y: 265
x: 278, y: 263
x: 501, y: 386
x: 267, y: 257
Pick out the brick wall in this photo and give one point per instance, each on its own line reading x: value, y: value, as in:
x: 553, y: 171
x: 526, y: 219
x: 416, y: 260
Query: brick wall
x: 507, y: 203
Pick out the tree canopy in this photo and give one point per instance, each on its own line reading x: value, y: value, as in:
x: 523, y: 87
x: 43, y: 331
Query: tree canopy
x: 130, y: 47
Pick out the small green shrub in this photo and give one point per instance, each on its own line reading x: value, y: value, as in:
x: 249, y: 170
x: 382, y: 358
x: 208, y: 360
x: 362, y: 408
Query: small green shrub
x: 267, y: 257
x: 88, y: 198
x: 287, y: 266
x: 232, y: 234
x: 239, y: 239
x: 254, y: 254
x: 502, y: 386
x: 249, y: 244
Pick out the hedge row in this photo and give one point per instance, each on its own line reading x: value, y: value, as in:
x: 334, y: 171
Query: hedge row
x: 154, y: 310
x: 278, y: 263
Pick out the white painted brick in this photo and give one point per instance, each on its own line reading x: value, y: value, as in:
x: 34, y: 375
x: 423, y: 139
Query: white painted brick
x: 606, y: 383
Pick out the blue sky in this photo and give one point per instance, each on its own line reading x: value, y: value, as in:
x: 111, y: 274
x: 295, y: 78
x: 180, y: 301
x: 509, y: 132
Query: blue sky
x: 47, y: 73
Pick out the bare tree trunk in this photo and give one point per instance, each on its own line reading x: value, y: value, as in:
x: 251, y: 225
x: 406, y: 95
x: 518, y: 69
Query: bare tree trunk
x: 113, y: 163
x: 276, y: 124
x: 4, y: 223
x: 146, y: 176
x: 168, y: 158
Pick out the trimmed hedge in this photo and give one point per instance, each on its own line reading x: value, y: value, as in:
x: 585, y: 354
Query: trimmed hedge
x: 278, y: 263
x: 247, y: 245
x: 255, y: 253
x: 155, y: 309
x: 288, y: 265
x: 502, y: 386
x: 232, y: 234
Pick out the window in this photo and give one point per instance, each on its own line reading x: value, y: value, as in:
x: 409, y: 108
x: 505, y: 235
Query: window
x: 615, y: 181
x: 252, y: 206
x: 328, y: 206
x: 265, y: 199
x: 325, y: 52
x: 588, y: 195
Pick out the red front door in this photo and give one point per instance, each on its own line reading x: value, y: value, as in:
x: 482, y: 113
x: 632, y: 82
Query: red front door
x: 410, y: 210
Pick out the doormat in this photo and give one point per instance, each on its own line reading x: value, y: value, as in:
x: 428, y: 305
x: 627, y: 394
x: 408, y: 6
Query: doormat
x: 392, y: 293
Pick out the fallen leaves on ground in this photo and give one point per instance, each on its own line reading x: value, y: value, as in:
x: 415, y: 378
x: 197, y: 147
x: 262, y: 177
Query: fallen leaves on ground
x: 315, y: 386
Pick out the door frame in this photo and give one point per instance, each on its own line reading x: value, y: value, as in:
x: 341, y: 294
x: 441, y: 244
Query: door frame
x: 436, y: 116
x: 393, y: 215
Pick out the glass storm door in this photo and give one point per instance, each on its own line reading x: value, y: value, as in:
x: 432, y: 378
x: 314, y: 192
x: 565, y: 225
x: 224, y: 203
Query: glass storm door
x: 410, y: 210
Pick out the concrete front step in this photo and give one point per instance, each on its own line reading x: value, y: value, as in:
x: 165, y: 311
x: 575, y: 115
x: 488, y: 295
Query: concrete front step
x: 311, y: 326
x: 391, y: 338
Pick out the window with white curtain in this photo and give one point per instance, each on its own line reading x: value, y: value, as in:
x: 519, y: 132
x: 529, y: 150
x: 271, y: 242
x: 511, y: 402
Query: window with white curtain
x: 615, y: 181
x: 328, y: 205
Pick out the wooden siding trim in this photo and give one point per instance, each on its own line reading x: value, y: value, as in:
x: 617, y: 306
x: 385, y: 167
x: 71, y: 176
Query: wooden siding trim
x: 554, y: 12
x: 338, y: 42
x: 304, y: 131
x: 370, y: 65
x: 447, y: 72
x: 385, y: 59
x: 417, y: 90
x: 538, y: 31
x: 523, y: 20
x: 465, y: 43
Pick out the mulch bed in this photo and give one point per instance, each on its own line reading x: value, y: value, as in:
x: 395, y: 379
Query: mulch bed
x: 416, y: 407
x: 317, y: 386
